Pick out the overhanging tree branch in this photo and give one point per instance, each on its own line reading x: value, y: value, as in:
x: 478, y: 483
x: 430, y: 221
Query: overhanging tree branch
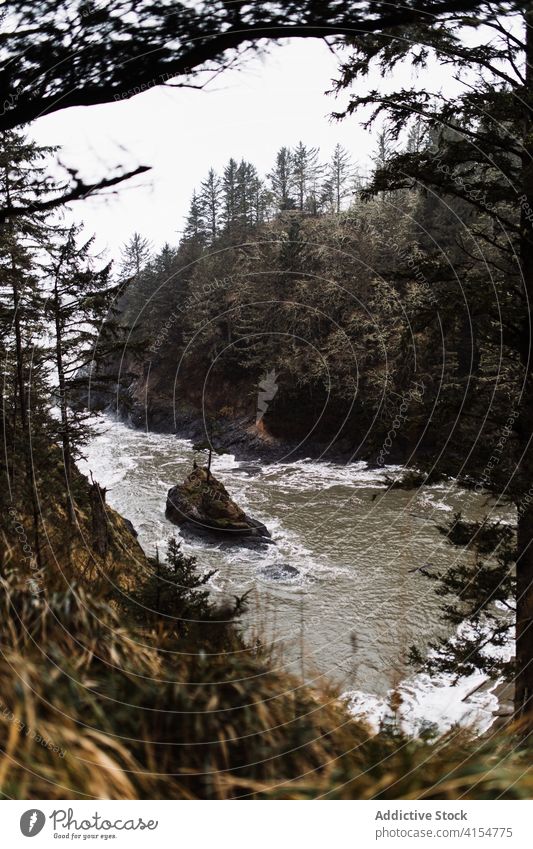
x: 79, y: 191
x: 103, y: 56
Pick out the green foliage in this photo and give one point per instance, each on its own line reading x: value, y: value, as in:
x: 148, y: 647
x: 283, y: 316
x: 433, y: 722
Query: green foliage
x: 460, y: 154
x: 140, y: 713
x: 351, y: 321
x: 175, y: 591
x: 478, y: 592
x: 135, y: 255
x: 472, y: 159
x: 155, y: 694
x: 231, y: 206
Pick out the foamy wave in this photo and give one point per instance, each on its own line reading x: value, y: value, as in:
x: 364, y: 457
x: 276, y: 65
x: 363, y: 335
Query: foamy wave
x: 430, y: 703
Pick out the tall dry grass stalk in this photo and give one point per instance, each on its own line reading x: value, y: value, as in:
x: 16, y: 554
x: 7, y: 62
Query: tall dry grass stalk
x: 135, y: 715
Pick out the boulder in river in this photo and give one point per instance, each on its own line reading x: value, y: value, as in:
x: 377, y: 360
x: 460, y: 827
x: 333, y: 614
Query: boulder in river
x: 279, y: 572
x: 201, y: 504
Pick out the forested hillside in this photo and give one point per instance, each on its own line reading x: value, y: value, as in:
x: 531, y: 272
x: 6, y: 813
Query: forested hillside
x: 362, y: 316
x: 109, y: 657
x: 314, y: 309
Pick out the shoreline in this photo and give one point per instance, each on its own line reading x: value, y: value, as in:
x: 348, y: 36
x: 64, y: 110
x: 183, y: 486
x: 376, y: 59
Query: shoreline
x: 243, y: 436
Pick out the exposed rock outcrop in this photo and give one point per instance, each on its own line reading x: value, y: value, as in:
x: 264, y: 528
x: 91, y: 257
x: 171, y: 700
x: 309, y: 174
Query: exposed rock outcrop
x: 202, y: 505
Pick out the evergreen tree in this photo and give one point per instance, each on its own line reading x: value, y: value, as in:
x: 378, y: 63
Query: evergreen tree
x: 164, y: 261
x: 249, y: 200
x: 282, y: 180
x: 135, y: 255
x: 385, y: 147
x: 339, y: 178
x: 230, y: 194
x: 209, y: 200
x: 176, y: 591
x: 418, y: 137
x: 195, y: 226
x: 22, y: 179
x: 243, y: 199
x: 478, y: 592
x: 81, y: 312
x: 306, y: 171
x: 481, y: 160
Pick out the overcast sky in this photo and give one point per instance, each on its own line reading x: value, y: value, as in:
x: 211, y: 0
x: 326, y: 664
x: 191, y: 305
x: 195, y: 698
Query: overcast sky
x: 277, y: 100
x: 180, y: 133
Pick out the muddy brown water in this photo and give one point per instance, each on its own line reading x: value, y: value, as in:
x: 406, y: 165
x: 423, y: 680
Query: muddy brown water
x: 339, y: 594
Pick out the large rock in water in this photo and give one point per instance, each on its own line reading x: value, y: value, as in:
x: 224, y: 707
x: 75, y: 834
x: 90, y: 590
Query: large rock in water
x: 204, y: 506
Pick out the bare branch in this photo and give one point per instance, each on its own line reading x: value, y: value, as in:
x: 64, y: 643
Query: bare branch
x: 79, y: 191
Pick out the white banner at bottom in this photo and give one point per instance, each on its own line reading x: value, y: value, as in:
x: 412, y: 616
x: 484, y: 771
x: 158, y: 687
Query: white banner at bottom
x: 268, y: 824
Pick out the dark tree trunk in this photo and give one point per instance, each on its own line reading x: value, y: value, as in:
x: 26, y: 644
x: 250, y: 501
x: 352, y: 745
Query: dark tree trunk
x: 524, y: 620
x: 63, y: 405
x: 524, y: 424
x: 100, y: 527
x: 24, y: 420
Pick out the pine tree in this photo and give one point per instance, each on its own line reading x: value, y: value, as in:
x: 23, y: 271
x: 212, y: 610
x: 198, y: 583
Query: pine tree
x: 195, y: 225
x: 306, y: 172
x: 418, y: 137
x: 385, y: 147
x: 22, y: 179
x: 282, y: 180
x: 135, y: 256
x: 164, y: 261
x: 210, y: 203
x: 339, y: 178
x: 230, y: 194
x: 481, y: 160
x: 261, y: 201
x: 249, y: 198
x: 81, y: 310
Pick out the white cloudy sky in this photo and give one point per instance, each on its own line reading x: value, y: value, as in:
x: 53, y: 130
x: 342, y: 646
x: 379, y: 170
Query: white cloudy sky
x: 277, y: 100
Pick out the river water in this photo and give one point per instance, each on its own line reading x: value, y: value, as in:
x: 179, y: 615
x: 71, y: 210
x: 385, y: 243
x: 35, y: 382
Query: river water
x: 350, y: 605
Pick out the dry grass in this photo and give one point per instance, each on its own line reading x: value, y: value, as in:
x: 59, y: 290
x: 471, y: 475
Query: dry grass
x: 137, y: 719
x: 127, y: 711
